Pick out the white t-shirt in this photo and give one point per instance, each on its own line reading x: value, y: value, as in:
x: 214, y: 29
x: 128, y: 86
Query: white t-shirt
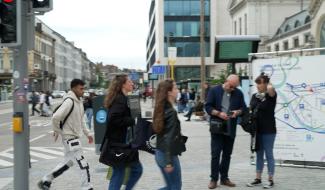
x: 42, y: 99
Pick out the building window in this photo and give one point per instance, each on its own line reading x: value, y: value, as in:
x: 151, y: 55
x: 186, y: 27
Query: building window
x: 11, y: 64
x: 185, y: 8
x: 307, y: 19
x: 240, y: 27
x: 287, y: 28
x: 285, y: 45
x: 245, y: 24
x: 268, y: 48
x: 186, y: 28
x: 1, y: 64
x: 306, y: 38
x: 322, y: 38
x: 296, y: 42
x: 235, y: 28
x: 297, y: 24
x: 276, y: 47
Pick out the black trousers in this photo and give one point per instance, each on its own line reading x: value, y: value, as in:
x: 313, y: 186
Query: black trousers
x: 34, y: 108
x: 220, y: 144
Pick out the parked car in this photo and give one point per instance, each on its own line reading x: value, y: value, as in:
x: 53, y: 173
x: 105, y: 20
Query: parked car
x: 58, y: 94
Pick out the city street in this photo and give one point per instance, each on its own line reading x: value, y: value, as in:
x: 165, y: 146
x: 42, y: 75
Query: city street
x: 195, y: 164
x: 39, y: 129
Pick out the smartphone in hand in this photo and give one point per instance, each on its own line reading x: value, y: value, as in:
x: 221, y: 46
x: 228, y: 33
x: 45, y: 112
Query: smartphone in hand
x: 230, y: 113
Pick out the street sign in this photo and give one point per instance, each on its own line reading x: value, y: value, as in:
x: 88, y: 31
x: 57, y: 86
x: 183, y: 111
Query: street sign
x: 172, y: 53
x: 159, y: 70
x: 134, y: 76
x: 153, y: 76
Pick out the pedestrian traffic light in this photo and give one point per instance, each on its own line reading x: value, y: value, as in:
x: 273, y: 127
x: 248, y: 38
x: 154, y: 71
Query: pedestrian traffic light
x: 42, y: 5
x: 10, y: 22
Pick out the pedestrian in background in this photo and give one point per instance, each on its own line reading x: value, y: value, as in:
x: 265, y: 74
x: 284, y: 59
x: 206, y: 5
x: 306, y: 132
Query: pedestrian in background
x: 42, y: 103
x: 170, y: 142
x: 224, y: 104
x: 71, y: 131
x: 198, y: 107
x: 119, y: 121
x: 183, y: 100
x: 34, y: 101
x: 88, y: 106
x: 264, y: 102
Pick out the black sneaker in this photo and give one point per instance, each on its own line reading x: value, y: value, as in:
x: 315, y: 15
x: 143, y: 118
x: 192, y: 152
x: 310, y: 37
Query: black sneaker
x: 269, y: 184
x: 256, y: 182
x: 44, y: 185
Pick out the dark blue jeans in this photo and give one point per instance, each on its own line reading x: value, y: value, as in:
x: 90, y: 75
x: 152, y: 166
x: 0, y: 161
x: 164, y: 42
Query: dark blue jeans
x: 118, y: 176
x: 174, y: 179
x: 224, y: 144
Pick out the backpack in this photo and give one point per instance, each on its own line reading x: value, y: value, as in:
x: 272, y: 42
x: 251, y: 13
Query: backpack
x: 66, y: 117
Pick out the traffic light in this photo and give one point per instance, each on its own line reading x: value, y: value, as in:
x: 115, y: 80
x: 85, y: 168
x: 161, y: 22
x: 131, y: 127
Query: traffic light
x: 9, y: 22
x: 42, y: 5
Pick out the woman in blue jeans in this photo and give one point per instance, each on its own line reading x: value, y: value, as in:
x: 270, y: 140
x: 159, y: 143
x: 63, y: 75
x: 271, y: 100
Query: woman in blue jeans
x: 120, y: 119
x: 170, y: 142
x: 264, y: 102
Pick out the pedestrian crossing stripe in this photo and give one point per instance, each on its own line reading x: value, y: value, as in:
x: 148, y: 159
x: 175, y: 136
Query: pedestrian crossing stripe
x: 36, y: 154
x: 5, y: 181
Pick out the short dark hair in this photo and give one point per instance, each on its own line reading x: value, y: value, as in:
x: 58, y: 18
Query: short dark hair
x: 76, y: 82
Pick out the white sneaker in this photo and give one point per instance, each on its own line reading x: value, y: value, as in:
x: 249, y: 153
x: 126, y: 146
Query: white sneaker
x: 269, y: 184
x: 256, y: 182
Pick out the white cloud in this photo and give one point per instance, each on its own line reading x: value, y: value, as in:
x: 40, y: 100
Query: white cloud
x: 111, y: 31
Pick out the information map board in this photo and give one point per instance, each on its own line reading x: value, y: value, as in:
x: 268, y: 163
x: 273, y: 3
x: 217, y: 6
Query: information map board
x: 300, y: 110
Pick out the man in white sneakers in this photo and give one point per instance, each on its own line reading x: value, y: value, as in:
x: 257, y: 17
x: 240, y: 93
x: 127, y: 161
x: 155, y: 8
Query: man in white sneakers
x: 68, y: 122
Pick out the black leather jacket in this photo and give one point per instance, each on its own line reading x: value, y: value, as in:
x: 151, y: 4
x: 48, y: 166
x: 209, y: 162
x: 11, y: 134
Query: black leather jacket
x: 170, y: 141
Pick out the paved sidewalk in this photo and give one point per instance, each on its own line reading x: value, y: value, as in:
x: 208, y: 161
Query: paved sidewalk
x: 195, y: 163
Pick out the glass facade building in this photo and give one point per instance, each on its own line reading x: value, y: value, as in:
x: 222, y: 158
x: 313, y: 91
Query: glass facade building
x: 182, y: 27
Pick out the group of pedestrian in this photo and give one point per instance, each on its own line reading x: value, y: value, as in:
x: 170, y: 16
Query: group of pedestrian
x: 185, y: 99
x: 43, y: 99
x: 224, y: 103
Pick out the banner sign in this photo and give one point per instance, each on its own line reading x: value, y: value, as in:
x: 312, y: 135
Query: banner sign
x: 300, y: 111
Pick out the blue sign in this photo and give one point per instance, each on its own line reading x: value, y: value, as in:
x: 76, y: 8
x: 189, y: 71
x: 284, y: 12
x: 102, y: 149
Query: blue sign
x: 159, y: 70
x: 134, y: 76
x: 101, y: 116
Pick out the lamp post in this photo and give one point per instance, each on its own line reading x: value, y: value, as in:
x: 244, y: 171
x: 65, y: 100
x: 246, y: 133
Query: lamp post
x: 202, y: 49
x: 170, y: 34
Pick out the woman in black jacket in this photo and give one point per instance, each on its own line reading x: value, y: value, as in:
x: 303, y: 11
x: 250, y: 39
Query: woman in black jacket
x: 170, y: 142
x: 119, y: 120
x: 263, y: 103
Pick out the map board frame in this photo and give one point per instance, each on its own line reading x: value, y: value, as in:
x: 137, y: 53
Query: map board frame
x: 300, y: 110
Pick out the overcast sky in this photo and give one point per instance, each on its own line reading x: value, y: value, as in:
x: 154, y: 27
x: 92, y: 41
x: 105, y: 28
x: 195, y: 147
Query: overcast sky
x: 111, y: 31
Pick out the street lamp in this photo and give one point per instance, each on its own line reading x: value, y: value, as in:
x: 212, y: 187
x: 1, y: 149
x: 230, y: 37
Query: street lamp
x: 202, y: 48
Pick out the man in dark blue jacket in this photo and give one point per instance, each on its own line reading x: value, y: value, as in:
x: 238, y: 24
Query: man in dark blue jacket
x: 224, y: 103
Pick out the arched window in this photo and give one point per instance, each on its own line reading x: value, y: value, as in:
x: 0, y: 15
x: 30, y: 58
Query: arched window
x: 307, y: 19
x: 297, y: 24
x: 322, y: 37
x: 287, y: 28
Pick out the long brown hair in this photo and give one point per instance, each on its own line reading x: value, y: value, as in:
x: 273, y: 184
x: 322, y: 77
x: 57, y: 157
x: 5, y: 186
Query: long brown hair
x: 114, y: 89
x: 161, y: 100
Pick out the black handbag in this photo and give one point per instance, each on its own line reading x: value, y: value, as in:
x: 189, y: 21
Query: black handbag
x: 115, y: 154
x: 218, y: 126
